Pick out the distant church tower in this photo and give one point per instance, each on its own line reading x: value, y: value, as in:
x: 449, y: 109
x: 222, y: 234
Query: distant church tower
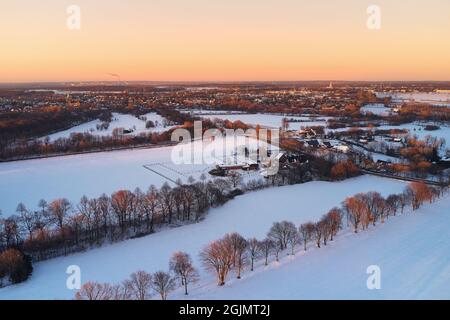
x: 330, y: 86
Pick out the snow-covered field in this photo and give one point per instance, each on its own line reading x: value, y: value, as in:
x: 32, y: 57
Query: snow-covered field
x: 376, y: 108
x: 416, y: 129
x: 251, y: 214
x: 104, y: 172
x: 124, y: 121
x: 412, y: 251
x: 435, y: 98
x: 271, y: 120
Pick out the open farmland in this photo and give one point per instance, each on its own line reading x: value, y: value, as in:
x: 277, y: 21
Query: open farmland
x: 104, y: 172
x: 113, y: 263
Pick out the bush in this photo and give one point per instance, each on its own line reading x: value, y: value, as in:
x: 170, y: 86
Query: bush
x: 431, y: 127
x: 344, y: 170
x: 234, y: 193
x: 149, y: 124
x: 15, y: 265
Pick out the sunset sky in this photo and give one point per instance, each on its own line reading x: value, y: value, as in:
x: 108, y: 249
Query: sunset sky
x: 224, y: 40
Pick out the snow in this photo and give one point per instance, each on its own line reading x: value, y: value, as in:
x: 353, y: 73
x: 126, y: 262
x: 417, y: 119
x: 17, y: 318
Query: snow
x: 412, y: 251
x: 434, y: 98
x: 376, y: 155
x: 125, y: 121
x: 417, y: 128
x: 271, y: 120
x: 414, y: 128
x: 377, y: 109
x: 93, y: 174
x: 200, y: 112
x: 113, y: 263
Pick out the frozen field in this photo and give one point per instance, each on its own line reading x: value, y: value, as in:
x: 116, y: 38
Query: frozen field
x: 97, y: 173
x: 418, y: 130
x: 376, y: 108
x: 412, y: 251
x: 271, y: 120
x: 125, y: 121
x: 435, y: 98
x: 113, y: 263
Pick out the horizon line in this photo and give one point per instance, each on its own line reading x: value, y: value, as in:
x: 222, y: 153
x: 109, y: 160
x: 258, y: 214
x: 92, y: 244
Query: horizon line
x: 124, y: 82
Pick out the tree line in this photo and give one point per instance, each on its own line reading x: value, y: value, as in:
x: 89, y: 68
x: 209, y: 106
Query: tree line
x: 234, y: 253
x: 142, y: 285
x: 18, y: 144
x: 59, y: 227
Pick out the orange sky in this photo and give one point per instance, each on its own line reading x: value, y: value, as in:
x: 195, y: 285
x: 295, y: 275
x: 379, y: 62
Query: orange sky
x: 224, y: 40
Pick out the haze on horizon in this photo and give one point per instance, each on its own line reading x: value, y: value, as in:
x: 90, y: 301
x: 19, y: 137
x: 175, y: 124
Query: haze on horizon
x: 218, y: 40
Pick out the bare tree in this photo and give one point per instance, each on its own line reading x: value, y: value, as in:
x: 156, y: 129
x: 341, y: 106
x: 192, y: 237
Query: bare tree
x: 121, y: 203
x: 254, y: 251
x: 293, y: 239
x: 95, y: 291
x: 276, y: 249
x: 104, y: 208
x: 356, y: 210
x: 266, y: 246
x: 318, y: 233
x: 59, y: 209
x: 27, y: 219
x: 218, y: 256
x: 335, y: 221
x: 139, y: 285
x: 43, y: 205
x: 392, y: 204
x: 325, y: 229
x: 280, y: 231
x: 239, y: 245
x: 235, y: 179
x: 306, y: 233
x: 163, y: 283
x: 167, y: 202
x: 181, y: 265
x: 122, y: 291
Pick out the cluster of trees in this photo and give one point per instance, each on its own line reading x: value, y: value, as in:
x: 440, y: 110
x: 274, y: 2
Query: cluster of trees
x: 41, y: 121
x: 142, y: 285
x: 80, y: 142
x: 426, y: 150
x: 344, y: 169
x: 60, y: 227
x: 328, y: 166
x: 364, y: 209
x: 420, y: 111
x: 16, y: 143
x: 15, y: 267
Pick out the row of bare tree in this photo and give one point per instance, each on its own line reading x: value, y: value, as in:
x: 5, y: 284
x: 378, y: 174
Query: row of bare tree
x: 233, y: 252
x: 59, y: 227
x: 141, y: 285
